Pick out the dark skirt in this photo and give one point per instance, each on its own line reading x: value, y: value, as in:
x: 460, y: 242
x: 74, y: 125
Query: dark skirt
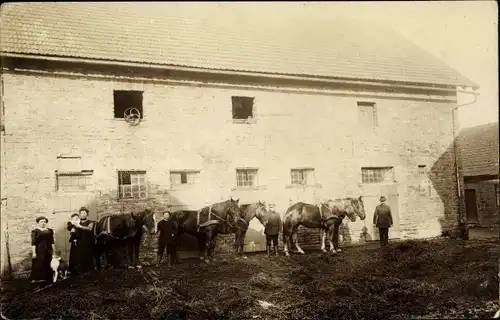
x: 40, y: 266
x: 81, y: 256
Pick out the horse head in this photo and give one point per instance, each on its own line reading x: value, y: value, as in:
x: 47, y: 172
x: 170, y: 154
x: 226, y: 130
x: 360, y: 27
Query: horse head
x: 359, y: 207
x: 350, y: 207
x: 260, y: 212
x: 233, y: 210
x: 147, y: 219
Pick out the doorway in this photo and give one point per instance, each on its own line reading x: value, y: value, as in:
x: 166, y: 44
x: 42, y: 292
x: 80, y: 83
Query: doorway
x: 471, y: 205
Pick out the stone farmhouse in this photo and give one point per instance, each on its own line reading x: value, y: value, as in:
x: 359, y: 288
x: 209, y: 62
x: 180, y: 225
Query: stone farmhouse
x: 256, y: 111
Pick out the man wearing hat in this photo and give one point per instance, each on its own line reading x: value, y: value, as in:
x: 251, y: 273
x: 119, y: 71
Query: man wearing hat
x: 382, y: 219
x: 272, y: 230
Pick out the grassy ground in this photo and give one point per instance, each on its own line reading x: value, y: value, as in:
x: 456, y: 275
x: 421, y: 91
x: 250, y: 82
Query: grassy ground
x: 431, y: 279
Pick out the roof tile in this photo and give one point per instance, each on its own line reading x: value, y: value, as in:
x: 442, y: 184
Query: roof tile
x: 175, y: 34
x: 478, y: 147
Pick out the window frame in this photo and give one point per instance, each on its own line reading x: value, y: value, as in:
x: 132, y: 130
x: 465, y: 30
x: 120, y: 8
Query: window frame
x: 301, y: 171
x: 187, y: 172
x: 121, y: 192
x: 384, y: 181
x: 255, y: 179
x: 89, y: 187
x: 242, y: 99
x: 140, y: 108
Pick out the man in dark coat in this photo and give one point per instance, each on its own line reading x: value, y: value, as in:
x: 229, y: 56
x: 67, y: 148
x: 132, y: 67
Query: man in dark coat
x: 272, y: 230
x: 167, y: 239
x: 382, y: 219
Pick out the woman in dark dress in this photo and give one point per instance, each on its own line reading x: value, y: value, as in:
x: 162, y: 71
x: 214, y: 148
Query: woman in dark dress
x: 74, y: 238
x: 83, y: 252
x: 42, y: 245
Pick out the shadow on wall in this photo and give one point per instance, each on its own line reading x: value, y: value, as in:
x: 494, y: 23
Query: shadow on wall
x: 443, y: 178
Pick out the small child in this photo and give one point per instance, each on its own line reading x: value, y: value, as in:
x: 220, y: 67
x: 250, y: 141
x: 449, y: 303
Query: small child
x: 168, y: 237
x: 75, y: 233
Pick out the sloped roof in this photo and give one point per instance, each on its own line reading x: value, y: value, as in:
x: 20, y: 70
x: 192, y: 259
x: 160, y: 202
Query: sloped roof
x: 170, y: 34
x: 478, y: 147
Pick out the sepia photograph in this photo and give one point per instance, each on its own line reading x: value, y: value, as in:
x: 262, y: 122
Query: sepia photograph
x: 249, y: 160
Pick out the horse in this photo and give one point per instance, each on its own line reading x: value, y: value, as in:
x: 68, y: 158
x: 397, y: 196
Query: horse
x: 206, y: 223
x: 248, y: 212
x: 325, y: 216
x: 123, y: 229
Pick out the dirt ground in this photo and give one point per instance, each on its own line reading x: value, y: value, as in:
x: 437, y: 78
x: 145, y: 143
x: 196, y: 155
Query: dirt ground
x: 413, y: 279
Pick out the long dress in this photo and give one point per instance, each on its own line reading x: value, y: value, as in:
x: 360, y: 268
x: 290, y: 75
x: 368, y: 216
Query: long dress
x: 83, y: 252
x: 74, y: 239
x: 40, y: 268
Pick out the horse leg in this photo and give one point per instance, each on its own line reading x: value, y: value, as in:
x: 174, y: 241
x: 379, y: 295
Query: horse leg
x: 286, y: 238
x: 333, y: 237
x: 296, y: 240
x: 201, y: 245
x: 237, y: 235
x: 209, y: 245
x: 137, y: 247
x: 336, y: 237
x: 131, y: 254
x: 242, y: 245
x: 323, y: 236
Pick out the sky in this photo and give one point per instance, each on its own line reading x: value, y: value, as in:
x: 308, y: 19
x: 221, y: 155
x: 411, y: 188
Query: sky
x: 462, y: 34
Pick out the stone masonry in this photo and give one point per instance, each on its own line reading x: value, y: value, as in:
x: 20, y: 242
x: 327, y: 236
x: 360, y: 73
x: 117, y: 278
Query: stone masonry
x: 190, y: 127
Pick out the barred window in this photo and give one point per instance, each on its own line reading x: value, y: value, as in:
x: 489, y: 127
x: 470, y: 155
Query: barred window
x: 246, y: 177
x: 377, y: 175
x: 132, y: 185
x: 74, y: 181
x: 184, y: 177
x: 302, y: 176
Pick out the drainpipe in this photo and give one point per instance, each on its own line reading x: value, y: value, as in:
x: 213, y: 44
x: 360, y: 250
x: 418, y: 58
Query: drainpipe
x: 461, y: 219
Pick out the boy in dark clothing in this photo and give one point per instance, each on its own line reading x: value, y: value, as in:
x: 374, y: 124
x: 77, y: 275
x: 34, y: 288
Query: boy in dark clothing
x: 272, y: 230
x: 167, y: 238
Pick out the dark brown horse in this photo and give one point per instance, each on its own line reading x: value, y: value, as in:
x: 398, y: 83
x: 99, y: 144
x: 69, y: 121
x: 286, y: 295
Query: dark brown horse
x: 114, y: 231
x: 326, y: 216
x: 206, y: 223
x: 248, y: 212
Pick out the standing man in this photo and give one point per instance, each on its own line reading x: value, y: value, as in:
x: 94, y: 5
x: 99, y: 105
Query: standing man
x: 167, y: 238
x: 272, y: 230
x: 382, y: 219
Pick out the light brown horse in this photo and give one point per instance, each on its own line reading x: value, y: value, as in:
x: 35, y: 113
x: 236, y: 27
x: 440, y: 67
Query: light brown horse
x: 326, y: 216
x: 248, y: 212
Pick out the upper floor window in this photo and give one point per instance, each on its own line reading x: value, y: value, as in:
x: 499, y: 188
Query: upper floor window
x: 303, y: 176
x: 132, y: 185
x: 242, y: 108
x: 184, y: 177
x: 246, y: 177
x: 75, y: 181
x: 377, y: 175
x: 367, y: 114
x: 127, y: 102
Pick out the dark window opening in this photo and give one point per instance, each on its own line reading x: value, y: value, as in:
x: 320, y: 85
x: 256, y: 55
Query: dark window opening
x: 242, y: 107
x: 127, y: 99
